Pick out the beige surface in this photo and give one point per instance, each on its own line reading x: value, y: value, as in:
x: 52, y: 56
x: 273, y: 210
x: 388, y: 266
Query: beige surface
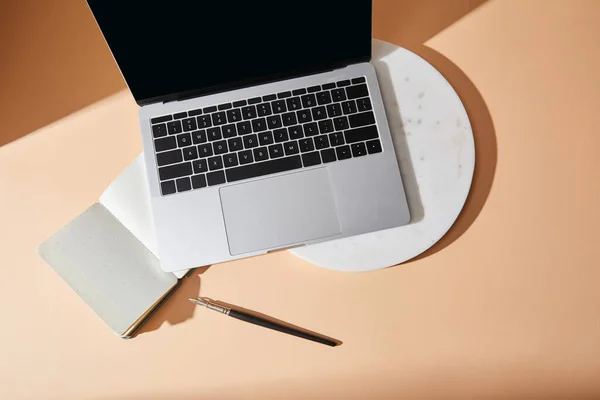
x: 507, y: 306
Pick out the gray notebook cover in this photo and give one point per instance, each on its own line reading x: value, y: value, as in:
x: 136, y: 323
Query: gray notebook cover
x: 108, y: 267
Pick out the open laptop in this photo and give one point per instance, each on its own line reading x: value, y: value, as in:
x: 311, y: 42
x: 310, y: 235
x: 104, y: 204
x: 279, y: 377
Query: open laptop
x: 262, y: 123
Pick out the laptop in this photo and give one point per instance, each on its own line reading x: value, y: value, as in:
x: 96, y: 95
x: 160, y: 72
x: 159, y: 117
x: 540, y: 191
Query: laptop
x: 262, y: 123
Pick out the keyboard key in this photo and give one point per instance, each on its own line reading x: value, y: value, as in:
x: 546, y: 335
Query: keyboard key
x: 244, y: 128
x: 310, y: 159
x: 198, y: 181
x: 276, y: 150
x: 289, y: 119
x: 235, y: 144
x: 328, y: 86
x: 343, y: 83
x: 328, y: 155
x: 175, y: 171
x: 362, y: 119
x: 295, y: 132
x: 283, y: 95
x: 159, y: 130
x: 261, y: 154
x: 269, y: 97
x: 240, y: 103
x: 220, y: 147
x: 263, y: 168
x: 324, y: 97
x: 343, y: 152
x: 309, y: 100
x: 281, y: 135
x: 259, y: 125
x: 325, y: 126
x: 304, y: 116
x: 190, y: 153
x: 296, y: 92
x: 358, y: 149
x: 204, y: 121
x: 311, y: 129
x: 163, y: 144
x: 245, y: 157
x: 291, y: 148
x: 229, y: 131
x: 313, y: 89
x: 360, y: 79
x: 254, y: 100
x: 279, y: 106
x: 361, y: 134
x: 321, y: 142
x: 354, y: 92
x: 199, y: 137
x: 319, y: 113
x: 334, y: 110
x: 263, y: 109
x: 225, y: 106
x: 214, y: 133
x: 249, y: 112
x: 306, y: 145
x: 180, y: 115
x: 174, y: 127
x: 167, y: 188
x: 274, y: 122
x: 189, y: 124
x: 169, y: 157
x: 164, y: 118
x: 374, y: 146
x: 205, y: 150
x: 364, y: 104
x: 230, y: 160
x: 183, y: 184
x: 219, y: 118
x: 215, y: 163
x: 341, y: 123
x: 349, y: 107
x: 215, y: 178
x: 338, y: 95
x: 234, y: 115
x: 250, y: 141
x: 200, y: 166
x: 195, y: 112
x: 184, y: 140
x: 293, y: 104
x: 336, y: 139
x: 211, y: 109
x: 265, y: 138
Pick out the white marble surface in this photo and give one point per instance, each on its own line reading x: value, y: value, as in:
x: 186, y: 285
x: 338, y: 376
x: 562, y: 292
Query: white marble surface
x: 435, y: 148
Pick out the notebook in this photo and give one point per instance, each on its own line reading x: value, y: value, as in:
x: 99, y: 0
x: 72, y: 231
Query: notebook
x: 108, y: 255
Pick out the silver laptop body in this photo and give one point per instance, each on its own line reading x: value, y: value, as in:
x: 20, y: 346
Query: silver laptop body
x: 271, y: 166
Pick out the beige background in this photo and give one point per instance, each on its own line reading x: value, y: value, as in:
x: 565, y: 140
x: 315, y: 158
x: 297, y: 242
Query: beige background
x: 506, y: 306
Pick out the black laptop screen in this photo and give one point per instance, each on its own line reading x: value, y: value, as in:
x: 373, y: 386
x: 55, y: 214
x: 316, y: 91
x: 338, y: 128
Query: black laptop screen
x: 167, y: 49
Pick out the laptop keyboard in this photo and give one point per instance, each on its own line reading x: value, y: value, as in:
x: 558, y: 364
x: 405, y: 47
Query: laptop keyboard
x: 264, y: 135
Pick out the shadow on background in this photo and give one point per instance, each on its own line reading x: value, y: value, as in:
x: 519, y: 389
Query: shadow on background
x: 410, y: 24
x: 495, y: 380
x: 55, y: 60
x: 177, y: 308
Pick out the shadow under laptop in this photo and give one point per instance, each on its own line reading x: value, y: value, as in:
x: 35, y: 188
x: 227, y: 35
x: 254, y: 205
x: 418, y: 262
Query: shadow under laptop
x: 177, y: 308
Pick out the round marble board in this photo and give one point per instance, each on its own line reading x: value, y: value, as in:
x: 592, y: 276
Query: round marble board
x: 434, y: 144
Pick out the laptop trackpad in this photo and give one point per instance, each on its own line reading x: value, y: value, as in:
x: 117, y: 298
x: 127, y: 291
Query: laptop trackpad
x: 278, y: 212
